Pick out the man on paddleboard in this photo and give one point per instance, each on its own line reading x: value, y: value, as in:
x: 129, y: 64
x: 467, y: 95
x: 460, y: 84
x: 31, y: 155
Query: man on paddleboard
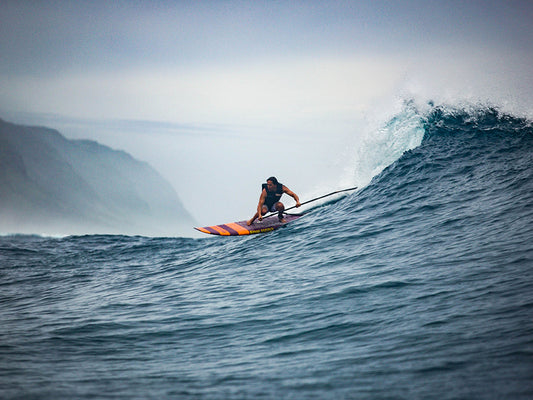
x: 269, y: 200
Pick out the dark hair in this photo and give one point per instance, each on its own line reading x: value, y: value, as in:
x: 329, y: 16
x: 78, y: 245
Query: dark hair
x: 273, y: 179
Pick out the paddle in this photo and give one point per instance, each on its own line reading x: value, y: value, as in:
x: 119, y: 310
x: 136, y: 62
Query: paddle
x: 310, y: 201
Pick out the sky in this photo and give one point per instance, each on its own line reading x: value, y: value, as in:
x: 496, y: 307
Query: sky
x: 219, y: 95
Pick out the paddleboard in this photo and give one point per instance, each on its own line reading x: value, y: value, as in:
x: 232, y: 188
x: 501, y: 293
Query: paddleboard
x: 268, y: 224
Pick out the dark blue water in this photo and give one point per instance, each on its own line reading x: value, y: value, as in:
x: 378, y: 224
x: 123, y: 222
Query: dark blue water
x: 418, y: 286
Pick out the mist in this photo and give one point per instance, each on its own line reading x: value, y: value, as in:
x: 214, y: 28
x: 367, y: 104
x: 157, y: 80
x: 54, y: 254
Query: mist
x: 219, y: 96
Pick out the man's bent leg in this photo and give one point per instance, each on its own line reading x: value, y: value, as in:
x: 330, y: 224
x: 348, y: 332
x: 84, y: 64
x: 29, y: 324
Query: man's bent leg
x: 280, y: 208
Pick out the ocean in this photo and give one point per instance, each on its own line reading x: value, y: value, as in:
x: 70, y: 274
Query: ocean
x: 417, y: 286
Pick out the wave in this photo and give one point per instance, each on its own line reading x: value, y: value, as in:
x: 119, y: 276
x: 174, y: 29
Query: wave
x: 470, y: 179
x: 449, y: 138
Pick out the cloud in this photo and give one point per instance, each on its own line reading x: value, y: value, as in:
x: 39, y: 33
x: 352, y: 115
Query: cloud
x: 273, y: 92
x: 55, y: 37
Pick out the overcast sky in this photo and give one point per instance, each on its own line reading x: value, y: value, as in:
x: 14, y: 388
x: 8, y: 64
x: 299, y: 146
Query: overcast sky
x: 218, y: 95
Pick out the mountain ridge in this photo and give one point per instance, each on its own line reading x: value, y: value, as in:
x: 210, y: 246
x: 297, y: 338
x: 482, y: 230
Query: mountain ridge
x: 51, y: 183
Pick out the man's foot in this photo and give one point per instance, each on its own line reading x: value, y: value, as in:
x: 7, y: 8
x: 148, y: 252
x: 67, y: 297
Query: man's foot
x: 249, y: 222
x: 281, y: 219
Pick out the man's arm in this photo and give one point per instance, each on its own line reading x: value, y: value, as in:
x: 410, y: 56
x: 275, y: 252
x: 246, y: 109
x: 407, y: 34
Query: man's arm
x: 292, y: 194
x: 259, y: 207
x: 262, y: 199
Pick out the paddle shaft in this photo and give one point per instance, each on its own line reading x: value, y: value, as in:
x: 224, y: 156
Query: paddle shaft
x: 315, y: 199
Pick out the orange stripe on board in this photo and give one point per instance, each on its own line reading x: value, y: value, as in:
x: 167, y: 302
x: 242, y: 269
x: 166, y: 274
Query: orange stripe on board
x: 223, y: 232
x: 239, y: 229
x: 203, y: 230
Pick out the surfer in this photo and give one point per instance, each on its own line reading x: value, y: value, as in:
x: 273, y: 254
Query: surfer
x: 269, y: 200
